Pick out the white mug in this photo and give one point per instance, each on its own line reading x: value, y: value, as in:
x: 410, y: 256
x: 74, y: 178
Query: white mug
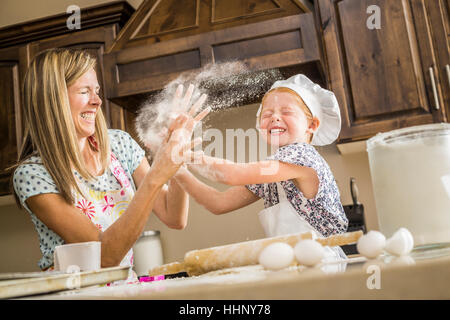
x: 84, y: 255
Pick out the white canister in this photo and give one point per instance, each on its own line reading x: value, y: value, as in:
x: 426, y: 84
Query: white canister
x: 147, y: 252
x: 410, y: 171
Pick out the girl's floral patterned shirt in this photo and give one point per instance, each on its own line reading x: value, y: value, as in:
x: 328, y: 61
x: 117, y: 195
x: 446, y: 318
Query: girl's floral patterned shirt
x: 324, y: 212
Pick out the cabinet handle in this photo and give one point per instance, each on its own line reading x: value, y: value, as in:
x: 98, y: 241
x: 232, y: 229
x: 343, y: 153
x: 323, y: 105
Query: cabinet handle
x: 447, y: 68
x: 433, y: 86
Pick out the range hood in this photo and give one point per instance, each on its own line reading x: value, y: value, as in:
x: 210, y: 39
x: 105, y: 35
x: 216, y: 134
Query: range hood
x: 166, y: 39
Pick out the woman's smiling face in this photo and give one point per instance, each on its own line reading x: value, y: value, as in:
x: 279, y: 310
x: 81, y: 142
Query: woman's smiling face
x: 282, y: 120
x: 84, y: 103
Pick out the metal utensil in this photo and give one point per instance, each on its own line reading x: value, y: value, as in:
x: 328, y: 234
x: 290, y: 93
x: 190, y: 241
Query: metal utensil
x: 355, y: 216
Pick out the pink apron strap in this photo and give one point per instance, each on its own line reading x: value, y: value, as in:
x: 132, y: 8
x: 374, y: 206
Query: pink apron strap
x: 115, y: 166
x: 118, y: 172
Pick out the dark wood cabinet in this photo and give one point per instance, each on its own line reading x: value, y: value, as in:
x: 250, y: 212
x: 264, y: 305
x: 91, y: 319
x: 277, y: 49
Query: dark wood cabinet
x: 100, y: 26
x: 390, y: 77
x: 438, y: 12
x: 13, y: 64
x: 162, y: 43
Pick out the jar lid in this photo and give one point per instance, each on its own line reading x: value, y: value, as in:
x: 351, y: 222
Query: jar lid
x: 408, y: 134
x: 150, y: 233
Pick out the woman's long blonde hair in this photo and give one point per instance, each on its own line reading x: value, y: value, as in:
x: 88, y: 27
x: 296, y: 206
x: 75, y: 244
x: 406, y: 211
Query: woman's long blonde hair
x: 49, y: 127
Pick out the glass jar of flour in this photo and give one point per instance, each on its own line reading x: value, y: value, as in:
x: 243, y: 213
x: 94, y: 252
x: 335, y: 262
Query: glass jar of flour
x: 147, y: 252
x: 410, y: 171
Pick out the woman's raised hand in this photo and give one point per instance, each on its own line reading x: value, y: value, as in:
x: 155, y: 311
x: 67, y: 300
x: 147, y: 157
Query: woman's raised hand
x: 176, y: 148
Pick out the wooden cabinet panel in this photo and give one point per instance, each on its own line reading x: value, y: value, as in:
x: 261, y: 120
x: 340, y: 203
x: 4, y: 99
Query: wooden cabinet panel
x: 160, y: 21
x: 134, y: 74
x: 13, y: 62
x: 381, y: 77
x: 381, y: 65
x: 440, y: 29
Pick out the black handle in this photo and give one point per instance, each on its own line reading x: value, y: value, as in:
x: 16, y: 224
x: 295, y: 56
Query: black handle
x: 354, y: 191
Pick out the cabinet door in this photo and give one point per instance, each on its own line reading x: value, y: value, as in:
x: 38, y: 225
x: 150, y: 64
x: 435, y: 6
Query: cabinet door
x: 95, y: 41
x: 381, y: 76
x: 440, y: 26
x: 13, y: 63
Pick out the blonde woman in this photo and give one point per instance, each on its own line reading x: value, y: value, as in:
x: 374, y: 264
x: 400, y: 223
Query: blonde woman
x: 80, y: 181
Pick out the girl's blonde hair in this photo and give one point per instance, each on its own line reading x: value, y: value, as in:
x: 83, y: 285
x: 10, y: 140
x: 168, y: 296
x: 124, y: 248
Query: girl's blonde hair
x: 299, y: 99
x: 49, y: 127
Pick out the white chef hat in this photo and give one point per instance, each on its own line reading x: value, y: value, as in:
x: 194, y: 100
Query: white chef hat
x: 321, y: 102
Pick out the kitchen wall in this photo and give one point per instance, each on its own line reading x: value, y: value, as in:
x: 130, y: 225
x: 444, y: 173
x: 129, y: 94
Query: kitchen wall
x: 19, y: 244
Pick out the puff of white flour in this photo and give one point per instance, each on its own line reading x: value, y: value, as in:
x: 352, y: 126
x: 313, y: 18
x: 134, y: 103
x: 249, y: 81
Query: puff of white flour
x: 277, y: 255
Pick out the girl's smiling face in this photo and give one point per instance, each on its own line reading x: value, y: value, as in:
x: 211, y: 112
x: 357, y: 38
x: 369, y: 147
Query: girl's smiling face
x: 84, y: 103
x: 282, y: 119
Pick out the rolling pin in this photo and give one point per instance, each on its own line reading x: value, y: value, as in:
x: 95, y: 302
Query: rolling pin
x: 197, y: 262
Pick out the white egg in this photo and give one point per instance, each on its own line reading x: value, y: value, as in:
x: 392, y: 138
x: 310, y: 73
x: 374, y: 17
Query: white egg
x: 401, y: 243
x: 309, y: 252
x: 277, y: 255
x: 371, y: 244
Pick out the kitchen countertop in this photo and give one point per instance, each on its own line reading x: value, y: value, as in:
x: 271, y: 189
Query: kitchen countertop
x: 417, y: 276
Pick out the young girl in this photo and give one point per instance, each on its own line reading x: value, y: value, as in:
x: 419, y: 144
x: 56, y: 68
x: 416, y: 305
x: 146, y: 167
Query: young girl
x: 299, y: 190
